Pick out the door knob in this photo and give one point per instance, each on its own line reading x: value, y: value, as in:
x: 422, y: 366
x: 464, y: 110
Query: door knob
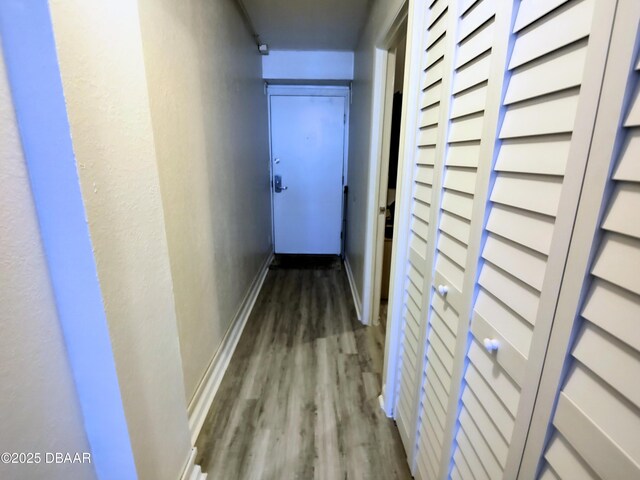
x: 277, y: 184
x: 443, y: 290
x: 491, y: 344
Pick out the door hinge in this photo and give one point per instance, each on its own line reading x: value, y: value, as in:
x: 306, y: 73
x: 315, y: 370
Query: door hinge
x: 344, y: 118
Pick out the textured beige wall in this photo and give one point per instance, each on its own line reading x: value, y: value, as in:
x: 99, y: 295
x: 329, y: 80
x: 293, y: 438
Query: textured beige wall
x: 209, y: 116
x: 102, y: 68
x: 39, y: 409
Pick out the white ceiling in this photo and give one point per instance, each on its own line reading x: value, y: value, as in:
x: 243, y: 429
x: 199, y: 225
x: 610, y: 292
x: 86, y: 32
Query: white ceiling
x: 308, y: 24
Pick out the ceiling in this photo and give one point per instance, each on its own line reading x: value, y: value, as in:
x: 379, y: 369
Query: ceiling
x: 308, y: 24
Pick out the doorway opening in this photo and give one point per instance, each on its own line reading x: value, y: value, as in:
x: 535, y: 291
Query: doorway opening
x: 386, y: 188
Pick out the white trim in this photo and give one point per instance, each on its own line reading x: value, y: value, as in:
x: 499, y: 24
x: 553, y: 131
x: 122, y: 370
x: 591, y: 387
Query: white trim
x: 192, y: 471
x: 206, y: 391
x: 354, y: 289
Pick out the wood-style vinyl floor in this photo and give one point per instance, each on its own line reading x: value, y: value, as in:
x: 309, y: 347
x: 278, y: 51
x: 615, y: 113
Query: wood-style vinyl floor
x: 299, y: 399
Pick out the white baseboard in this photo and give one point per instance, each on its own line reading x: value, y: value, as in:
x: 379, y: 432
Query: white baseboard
x: 354, y: 290
x: 191, y: 470
x: 206, y: 391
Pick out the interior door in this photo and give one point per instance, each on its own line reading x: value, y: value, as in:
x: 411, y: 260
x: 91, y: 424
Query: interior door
x: 307, y: 144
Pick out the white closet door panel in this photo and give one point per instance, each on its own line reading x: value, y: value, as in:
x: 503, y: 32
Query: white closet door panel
x: 485, y: 455
x: 429, y: 116
x: 557, y: 71
x: 615, y: 310
x: 458, y: 203
x: 436, y: 31
x: 450, y: 270
x: 633, y: 117
x: 463, y: 154
x: 416, y: 243
x: 445, y: 335
x: 619, y: 262
x: 566, y: 462
x: 425, y: 156
x: 443, y: 310
x: 601, y: 452
x: 436, y: 385
x: 476, y: 44
x: 489, y: 399
x: 521, y: 262
x: 431, y: 95
x: 414, y: 276
x: 629, y: 167
x: 597, y: 400
x: 625, y: 197
x: 470, y: 22
x: 529, y: 192
x: 434, y: 407
x: 435, y: 52
x: 508, y: 356
x: 504, y: 387
x: 423, y: 193
x: 424, y: 174
x: 532, y: 10
x: 413, y: 292
x: 466, y: 5
x: 515, y: 294
x: 471, y: 456
x: 473, y: 73
x: 603, y: 355
x: 460, y: 463
x: 454, y: 297
x: 437, y: 12
x: 440, y: 370
x: 421, y: 209
x: 554, y: 113
x: 495, y: 440
x: 466, y: 128
x: 432, y: 82
x: 526, y: 228
x: 470, y: 101
x: 510, y: 325
x: 441, y: 352
x: 419, y: 227
x: 460, y: 179
x: 548, y: 474
x: 545, y: 155
x: 455, y: 226
x: 555, y: 31
x: 428, y: 135
x: 453, y: 249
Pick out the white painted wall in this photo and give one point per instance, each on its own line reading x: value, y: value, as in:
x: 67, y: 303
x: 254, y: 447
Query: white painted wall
x: 39, y: 408
x: 102, y: 68
x: 209, y: 116
x: 307, y: 65
x: 382, y: 14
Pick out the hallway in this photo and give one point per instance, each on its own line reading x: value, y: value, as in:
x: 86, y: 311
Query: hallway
x: 300, y: 396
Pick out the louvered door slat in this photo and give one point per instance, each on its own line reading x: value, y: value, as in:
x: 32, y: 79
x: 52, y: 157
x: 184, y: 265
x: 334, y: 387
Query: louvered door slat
x: 597, y: 417
x: 551, y: 46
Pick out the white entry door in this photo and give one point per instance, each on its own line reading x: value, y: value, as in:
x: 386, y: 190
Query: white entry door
x: 307, y: 143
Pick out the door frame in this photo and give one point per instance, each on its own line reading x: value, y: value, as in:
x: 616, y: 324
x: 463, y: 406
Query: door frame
x: 413, y: 14
x: 311, y: 91
x: 386, y: 62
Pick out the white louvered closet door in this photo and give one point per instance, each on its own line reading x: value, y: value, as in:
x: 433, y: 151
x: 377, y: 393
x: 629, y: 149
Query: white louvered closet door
x: 477, y: 76
x: 596, y: 425
x: 418, y: 266
x: 554, y: 75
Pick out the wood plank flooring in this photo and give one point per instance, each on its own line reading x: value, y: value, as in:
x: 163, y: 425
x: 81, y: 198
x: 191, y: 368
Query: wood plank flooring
x: 299, y: 399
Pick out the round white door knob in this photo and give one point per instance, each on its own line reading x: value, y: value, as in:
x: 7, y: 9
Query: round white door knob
x: 443, y: 290
x: 491, y: 344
